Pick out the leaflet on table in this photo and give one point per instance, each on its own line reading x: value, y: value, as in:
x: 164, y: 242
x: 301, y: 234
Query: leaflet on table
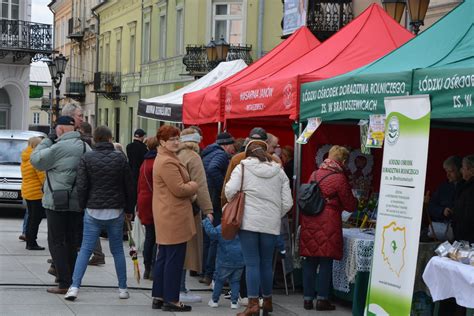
x: 313, y: 124
x: 376, y: 131
x: 400, y: 206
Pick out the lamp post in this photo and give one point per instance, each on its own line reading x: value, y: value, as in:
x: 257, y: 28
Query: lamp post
x: 417, y: 10
x: 57, y: 67
x: 222, y: 48
x: 394, y: 8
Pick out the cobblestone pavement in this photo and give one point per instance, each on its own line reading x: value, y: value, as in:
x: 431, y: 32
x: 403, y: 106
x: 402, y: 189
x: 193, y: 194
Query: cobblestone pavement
x: 24, y: 279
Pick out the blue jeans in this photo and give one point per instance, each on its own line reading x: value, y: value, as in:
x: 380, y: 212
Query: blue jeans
x: 25, y: 222
x: 91, y: 233
x: 310, y: 266
x: 258, y: 249
x: 223, y: 274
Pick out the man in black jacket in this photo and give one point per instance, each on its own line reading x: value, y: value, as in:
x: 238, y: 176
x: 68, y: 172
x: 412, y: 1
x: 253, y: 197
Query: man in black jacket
x: 463, y: 216
x: 136, y: 151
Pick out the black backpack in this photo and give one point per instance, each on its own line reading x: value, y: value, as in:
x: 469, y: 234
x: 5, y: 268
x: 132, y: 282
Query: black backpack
x: 310, y: 199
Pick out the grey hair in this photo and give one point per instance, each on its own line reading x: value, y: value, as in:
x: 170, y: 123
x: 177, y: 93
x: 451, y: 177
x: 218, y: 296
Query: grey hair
x: 453, y: 161
x: 469, y: 161
x: 69, y: 109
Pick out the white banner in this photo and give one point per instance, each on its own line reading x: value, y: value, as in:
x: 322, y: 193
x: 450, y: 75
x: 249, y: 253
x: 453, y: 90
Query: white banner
x: 400, y: 205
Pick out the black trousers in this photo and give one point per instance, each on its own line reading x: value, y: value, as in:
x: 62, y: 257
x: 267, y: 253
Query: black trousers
x: 167, y: 274
x: 35, y: 215
x: 149, y: 247
x: 64, y: 240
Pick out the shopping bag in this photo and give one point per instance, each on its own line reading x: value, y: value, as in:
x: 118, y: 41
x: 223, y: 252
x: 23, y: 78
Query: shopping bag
x: 233, y: 213
x: 138, y: 233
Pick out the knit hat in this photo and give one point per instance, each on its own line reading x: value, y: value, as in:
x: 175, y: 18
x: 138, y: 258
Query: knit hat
x: 224, y: 138
x: 258, y: 133
x: 65, y: 120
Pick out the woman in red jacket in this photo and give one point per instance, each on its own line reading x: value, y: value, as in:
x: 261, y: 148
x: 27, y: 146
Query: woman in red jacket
x: 144, y: 206
x: 321, y: 235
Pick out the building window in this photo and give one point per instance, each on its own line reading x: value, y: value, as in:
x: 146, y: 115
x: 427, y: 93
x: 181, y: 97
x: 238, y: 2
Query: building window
x: 101, y: 58
x: 106, y: 118
x: 10, y: 9
x: 227, y: 21
x: 100, y: 120
x: 146, y: 42
x: 179, y: 32
x: 36, y: 118
x: 106, y: 57
x: 130, y: 124
x: 132, y: 54
x: 117, y: 125
x: 118, y: 56
x: 162, y: 39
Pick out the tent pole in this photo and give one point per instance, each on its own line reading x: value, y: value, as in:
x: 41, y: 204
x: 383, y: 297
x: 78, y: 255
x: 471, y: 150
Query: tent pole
x: 219, y: 127
x: 297, y: 176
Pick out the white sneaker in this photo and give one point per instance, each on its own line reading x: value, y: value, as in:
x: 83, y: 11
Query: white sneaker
x: 71, y: 294
x: 123, y: 294
x: 213, y: 304
x: 234, y: 306
x: 188, y: 297
x: 244, y: 301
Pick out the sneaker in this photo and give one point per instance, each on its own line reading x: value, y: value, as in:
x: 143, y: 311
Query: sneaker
x: 213, y: 304
x: 188, y: 297
x: 234, y: 305
x: 95, y: 261
x: 22, y: 237
x: 71, y: 294
x: 228, y: 295
x: 205, y: 280
x: 123, y: 294
x: 244, y: 301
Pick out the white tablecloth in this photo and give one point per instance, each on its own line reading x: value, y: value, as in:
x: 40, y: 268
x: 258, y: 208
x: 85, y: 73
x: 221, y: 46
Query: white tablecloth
x: 357, y: 257
x: 447, y: 278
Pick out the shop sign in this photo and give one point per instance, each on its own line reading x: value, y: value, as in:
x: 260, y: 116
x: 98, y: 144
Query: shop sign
x: 400, y: 206
x: 451, y: 90
x: 351, y: 97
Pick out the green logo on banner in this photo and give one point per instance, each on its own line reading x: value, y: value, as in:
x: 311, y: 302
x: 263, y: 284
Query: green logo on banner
x: 393, y: 130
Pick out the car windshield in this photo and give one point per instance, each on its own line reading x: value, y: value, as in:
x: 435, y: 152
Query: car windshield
x: 10, y: 151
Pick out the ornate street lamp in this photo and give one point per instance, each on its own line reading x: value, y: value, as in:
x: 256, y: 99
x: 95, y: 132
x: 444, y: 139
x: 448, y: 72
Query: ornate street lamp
x: 57, y: 67
x: 222, y: 48
x: 417, y: 10
x: 394, y: 8
x: 211, y: 51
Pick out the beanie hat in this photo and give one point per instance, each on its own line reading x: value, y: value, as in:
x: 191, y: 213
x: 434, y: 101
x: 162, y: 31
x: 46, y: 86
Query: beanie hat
x: 139, y: 133
x: 224, y: 138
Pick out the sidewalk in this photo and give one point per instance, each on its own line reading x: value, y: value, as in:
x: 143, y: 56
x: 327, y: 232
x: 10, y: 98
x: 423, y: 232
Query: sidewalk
x: 23, y: 283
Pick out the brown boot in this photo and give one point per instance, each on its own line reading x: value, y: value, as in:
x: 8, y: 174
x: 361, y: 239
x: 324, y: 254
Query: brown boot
x: 252, y: 309
x: 267, y: 305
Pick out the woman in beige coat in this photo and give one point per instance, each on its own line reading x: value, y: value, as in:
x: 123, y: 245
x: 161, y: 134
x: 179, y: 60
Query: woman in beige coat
x: 173, y: 192
x: 189, y: 157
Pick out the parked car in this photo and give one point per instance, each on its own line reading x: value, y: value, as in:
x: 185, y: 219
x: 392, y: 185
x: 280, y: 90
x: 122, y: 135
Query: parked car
x: 12, y: 143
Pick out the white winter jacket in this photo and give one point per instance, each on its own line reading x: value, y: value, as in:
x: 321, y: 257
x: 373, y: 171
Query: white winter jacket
x: 267, y: 194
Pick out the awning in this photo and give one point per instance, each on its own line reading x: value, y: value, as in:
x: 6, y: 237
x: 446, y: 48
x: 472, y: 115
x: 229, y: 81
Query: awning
x: 169, y: 107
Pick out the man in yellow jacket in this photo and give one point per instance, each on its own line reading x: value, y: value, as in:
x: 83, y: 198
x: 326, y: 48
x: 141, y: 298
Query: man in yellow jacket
x: 32, y: 192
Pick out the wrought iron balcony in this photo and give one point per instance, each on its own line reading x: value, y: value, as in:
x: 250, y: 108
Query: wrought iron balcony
x: 326, y: 17
x: 197, y: 63
x: 109, y: 84
x: 24, y: 41
x: 75, y: 89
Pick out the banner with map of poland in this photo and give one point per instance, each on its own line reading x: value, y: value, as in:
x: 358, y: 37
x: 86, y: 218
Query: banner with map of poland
x: 402, y: 186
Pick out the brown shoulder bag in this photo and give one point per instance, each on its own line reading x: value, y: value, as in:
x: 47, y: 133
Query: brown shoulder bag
x: 233, y: 212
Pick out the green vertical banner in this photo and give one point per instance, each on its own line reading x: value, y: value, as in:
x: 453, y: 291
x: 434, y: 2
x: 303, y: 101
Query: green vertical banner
x: 402, y: 186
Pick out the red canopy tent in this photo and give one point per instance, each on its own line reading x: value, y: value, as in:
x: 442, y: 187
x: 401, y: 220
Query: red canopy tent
x: 204, y: 106
x: 368, y: 37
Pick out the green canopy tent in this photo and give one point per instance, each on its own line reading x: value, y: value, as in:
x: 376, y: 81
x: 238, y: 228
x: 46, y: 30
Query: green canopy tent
x: 438, y: 62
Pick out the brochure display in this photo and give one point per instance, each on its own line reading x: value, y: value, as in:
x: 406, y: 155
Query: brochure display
x: 400, y: 205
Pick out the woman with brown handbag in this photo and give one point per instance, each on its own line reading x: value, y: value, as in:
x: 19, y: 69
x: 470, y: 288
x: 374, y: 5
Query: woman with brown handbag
x: 267, y: 199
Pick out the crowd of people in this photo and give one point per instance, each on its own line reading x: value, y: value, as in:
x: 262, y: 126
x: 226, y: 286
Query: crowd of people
x: 85, y: 185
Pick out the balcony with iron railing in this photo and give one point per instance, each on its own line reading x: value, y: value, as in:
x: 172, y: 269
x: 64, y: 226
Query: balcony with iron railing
x: 109, y: 85
x: 326, y: 17
x: 197, y: 62
x: 24, y: 41
x: 75, y: 89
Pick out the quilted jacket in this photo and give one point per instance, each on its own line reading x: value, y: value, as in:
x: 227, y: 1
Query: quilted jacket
x: 215, y: 161
x: 32, y: 179
x: 145, y: 189
x: 104, y: 179
x: 321, y: 235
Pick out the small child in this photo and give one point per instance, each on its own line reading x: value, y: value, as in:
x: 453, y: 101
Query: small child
x: 229, y: 264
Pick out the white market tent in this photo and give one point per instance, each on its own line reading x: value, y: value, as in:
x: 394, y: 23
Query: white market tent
x: 168, y: 107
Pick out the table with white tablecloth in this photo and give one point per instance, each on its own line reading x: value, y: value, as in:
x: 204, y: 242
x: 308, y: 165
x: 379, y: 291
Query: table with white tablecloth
x: 447, y: 278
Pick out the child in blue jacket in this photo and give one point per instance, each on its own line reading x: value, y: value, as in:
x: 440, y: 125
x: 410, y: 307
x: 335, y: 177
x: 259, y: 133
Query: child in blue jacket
x: 229, y: 264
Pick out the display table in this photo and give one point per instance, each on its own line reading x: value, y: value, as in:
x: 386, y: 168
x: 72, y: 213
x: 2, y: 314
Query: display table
x: 447, y: 278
